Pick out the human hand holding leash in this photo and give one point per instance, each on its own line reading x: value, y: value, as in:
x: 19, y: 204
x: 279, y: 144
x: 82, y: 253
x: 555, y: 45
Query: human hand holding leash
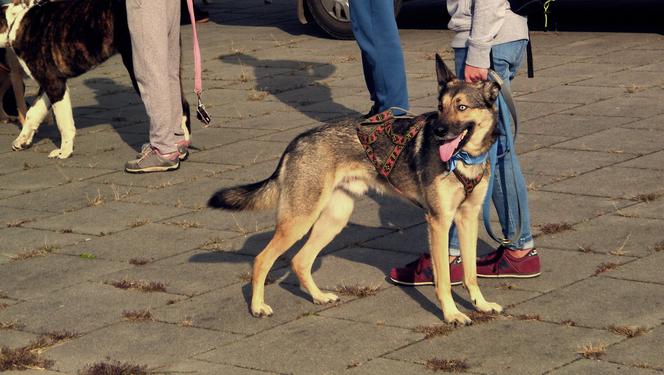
x: 474, y: 74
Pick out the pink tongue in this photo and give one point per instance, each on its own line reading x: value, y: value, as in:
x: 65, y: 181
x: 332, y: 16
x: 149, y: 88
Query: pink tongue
x: 447, y: 149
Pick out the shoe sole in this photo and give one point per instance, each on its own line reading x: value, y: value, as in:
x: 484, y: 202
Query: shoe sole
x: 511, y: 276
x: 184, y: 156
x: 154, y: 169
x: 420, y: 283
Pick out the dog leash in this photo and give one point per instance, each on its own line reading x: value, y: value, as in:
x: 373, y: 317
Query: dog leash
x: 201, y: 114
x: 521, y: 202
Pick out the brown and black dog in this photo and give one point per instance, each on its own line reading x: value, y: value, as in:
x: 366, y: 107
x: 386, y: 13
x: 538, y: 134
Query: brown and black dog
x: 57, y: 40
x: 322, y: 169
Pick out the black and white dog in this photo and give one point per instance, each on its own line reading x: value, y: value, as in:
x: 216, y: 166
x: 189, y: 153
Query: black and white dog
x: 58, y: 40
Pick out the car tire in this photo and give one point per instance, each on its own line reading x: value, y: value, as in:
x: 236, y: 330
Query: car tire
x: 336, y: 22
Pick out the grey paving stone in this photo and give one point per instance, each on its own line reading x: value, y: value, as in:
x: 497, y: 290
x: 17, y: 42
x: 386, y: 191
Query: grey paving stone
x: 243, y: 153
x: 12, y: 217
x: 71, y: 197
x: 654, y: 122
x: 627, y: 79
x: 606, y: 234
x: 193, y: 366
x: 589, y: 366
x: 12, y: 338
x: 354, y: 266
x: 152, y: 344
x: 46, y: 177
x: 32, y: 372
x: 409, y: 307
x: 651, y: 209
x: 314, y: 348
x: 570, y: 94
x: 82, y: 308
x: 628, y: 106
x: 40, y: 277
x: 618, y: 140
x: 529, y: 142
x: 599, y: 302
x: 638, y: 351
x: 610, y: 182
x: 645, y: 269
x: 107, y: 218
x: 497, y: 356
x: 227, y: 309
x: 555, y: 208
x: 572, y: 125
x: 187, y: 172
x: 243, y: 223
x: 386, y: 212
x: 208, y: 138
x: 533, y: 110
x: 387, y: 367
x: 183, y: 276
x: 567, y: 162
x: 580, y: 70
x: 149, y: 242
x: 634, y: 57
x: 23, y: 240
x: 194, y: 194
x: 654, y: 160
x: 4, y: 194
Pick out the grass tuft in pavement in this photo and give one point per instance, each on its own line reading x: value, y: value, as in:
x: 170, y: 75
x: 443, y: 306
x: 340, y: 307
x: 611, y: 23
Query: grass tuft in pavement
x: 357, y: 290
x: 22, y: 359
x: 138, y: 261
x: 115, y: 368
x: 137, y: 315
x: 38, y: 252
x: 628, y: 331
x: 605, y: 267
x: 592, y: 350
x: 447, y: 365
x: 140, y: 285
x: 552, y: 228
x: 434, y: 330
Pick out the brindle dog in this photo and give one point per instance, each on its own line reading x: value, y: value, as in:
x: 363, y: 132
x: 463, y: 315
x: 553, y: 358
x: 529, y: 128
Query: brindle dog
x: 321, y: 170
x: 58, y: 40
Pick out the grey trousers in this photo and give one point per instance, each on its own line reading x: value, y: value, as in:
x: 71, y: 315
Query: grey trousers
x: 154, y: 26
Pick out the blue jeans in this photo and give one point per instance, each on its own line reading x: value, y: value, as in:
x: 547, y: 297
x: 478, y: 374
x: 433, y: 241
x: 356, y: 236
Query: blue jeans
x: 376, y: 32
x: 507, y: 176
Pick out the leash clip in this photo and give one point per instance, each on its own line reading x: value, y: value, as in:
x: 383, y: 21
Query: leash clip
x: 201, y: 114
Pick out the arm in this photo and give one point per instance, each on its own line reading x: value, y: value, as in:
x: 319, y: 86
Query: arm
x: 487, y: 20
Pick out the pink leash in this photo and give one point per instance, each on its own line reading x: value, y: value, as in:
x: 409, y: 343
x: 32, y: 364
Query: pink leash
x: 201, y: 113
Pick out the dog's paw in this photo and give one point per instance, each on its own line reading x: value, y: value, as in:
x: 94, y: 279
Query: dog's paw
x: 261, y: 311
x: 458, y: 319
x: 325, y: 298
x: 60, y: 154
x: 489, y: 307
x: 22, y: 142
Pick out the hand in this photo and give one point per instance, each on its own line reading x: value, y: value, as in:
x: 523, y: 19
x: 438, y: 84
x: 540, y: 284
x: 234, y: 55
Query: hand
x: 474, y: 74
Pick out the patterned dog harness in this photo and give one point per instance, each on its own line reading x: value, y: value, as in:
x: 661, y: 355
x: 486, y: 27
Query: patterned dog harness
x: 469, y: 184
x: 384, y: 123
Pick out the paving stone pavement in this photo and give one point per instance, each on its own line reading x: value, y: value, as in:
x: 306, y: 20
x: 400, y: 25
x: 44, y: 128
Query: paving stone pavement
x: 591, y: 143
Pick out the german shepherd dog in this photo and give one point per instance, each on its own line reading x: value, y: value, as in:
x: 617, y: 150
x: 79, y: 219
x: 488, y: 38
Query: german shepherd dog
x: 321, y: 170
x: 58, y: 40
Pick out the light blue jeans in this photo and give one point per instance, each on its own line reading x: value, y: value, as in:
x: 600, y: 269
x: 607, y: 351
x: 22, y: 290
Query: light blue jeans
x: 507, y: 58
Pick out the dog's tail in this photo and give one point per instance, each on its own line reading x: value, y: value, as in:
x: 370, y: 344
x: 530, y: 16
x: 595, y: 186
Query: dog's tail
x: 257, y: 196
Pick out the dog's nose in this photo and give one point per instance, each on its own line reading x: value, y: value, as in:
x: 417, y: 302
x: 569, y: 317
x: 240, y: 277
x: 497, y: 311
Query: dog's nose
x: 439, y: 131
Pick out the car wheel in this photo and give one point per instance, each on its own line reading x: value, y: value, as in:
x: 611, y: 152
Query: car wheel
x: 333, y: 16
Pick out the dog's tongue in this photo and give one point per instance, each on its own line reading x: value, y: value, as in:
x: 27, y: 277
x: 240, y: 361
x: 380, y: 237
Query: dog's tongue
x: 447, y: 149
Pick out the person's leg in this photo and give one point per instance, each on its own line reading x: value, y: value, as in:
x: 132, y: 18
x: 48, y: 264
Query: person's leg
x: 150, y: 28
x: 508, y: 179
x: 375, y: 30
x: 175, y: 91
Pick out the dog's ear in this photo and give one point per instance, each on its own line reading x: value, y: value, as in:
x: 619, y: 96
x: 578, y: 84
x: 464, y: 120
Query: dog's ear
x: 444, y: 74
x: 490, y: 90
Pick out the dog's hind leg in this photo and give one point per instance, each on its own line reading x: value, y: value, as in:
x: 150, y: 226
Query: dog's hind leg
x: 331, y: 221
x: 286, y: 233
x: 467, y: 222
x: 64, y: 118
x: 33, y: 119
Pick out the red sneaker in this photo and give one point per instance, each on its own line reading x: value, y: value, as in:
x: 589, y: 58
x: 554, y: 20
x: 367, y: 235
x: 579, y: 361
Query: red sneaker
x: 420, y: 272
x: 501, y: 263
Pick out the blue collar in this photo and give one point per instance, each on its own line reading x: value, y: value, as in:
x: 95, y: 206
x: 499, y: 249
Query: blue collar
x: 466, y: 158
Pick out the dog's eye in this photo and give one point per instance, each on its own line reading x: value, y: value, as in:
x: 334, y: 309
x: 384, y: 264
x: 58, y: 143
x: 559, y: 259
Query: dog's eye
x: 462, y: 107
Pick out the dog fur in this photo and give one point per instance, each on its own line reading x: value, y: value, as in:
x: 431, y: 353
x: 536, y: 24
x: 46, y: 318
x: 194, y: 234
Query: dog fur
x: 57, y: 40
x: 322, y: 169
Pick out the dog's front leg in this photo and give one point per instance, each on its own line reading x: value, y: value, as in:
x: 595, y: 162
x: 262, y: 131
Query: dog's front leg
x: 439, y: 227
x: 64, y: 118
x: 467, y: 221
x: 33, y: 118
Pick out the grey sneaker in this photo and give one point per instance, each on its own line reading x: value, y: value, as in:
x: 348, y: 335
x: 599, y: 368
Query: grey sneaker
x: 152, y: 161
x: 182, y: 146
